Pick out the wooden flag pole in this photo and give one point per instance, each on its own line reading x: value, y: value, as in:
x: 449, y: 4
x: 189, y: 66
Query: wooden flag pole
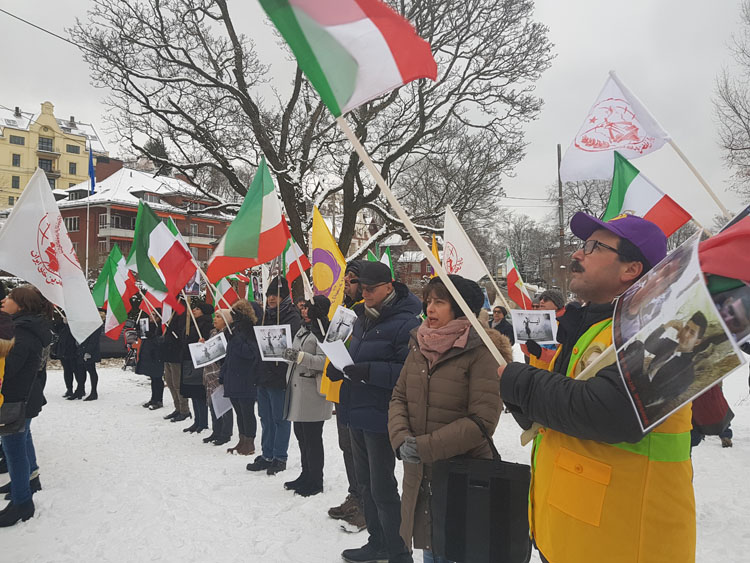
x: 216, y: 295
x: 437, y: 267
x: 190, y: 310
x: 703, y: 182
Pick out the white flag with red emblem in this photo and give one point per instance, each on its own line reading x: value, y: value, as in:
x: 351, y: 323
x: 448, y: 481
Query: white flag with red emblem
x: 34, y: 245
x: 617, y: 121
x: 459, y: 255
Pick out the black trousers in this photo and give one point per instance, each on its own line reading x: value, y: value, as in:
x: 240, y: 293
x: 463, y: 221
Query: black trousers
x: 157, y: 389
x: 223, y: 425
x: 69, y: 370
x: 345, y: 445
x: 374, y: 463
x: 247, y: 425
x: 200, y: 411
x: 310, y: 438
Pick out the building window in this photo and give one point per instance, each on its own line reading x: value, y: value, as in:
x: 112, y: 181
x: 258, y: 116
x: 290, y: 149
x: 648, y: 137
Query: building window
x: 71, y: 223
x: 72, y: 168
x: 16, y: 160
x: 195, y: 206
x: 194, y: 252
x: 151, y: 198
x: 102, y: 220
x: 11, y: 200
x: 416, y: 268
x: 15, y: 182
x: 45, y: 164
x: 103, y: 247
x: 16, y: 140
x: 210, y: 229
x: 45, y: 144
x: 75, y: 248
x: 193, y: 229
x: 73, y: 149
x: 71, y: 184
x: 52, y: 183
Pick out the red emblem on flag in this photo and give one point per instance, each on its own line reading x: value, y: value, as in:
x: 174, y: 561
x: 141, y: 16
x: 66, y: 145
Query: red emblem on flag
x: 453, y: 261
x: 614, y: 127
x: 51, y: 248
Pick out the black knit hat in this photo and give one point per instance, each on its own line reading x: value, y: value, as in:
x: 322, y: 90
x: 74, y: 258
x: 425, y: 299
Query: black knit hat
x: 7, y: 330
x: 374, y: 273
x: 274, y: 288
x: 204, y: 307
x: 555, y: 296
x: 355, y: 266
x: 469, y: 290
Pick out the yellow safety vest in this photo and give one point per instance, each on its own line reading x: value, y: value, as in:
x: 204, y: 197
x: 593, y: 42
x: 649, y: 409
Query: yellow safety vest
x: 592, y: 502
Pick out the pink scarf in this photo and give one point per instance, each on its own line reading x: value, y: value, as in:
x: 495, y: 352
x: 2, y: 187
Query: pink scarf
x: 434, y: 342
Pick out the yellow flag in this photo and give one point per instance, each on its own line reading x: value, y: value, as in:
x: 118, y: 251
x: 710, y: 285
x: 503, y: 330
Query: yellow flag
x: 435, y: 252
x: 328, y: 269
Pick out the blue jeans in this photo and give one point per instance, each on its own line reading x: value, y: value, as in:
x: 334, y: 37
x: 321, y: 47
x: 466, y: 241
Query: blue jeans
x: 429, y: 557
x: 21, y: 458
x: 274, y: 440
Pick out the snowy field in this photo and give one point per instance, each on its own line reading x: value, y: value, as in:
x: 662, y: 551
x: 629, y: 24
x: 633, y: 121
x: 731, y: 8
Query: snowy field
x: 121, y: 484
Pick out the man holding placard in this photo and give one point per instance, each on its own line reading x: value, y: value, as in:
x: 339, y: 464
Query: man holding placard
x: 602, y: 490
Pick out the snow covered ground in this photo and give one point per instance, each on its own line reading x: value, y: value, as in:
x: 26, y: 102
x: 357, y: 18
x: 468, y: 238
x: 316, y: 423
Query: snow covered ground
x: 121, y: 484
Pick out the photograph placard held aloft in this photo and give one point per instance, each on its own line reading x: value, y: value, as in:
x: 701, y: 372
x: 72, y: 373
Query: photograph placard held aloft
x: 208, y: 352
x: 272, y: 341
x: 672, y: 344
x: 341, y: 325
x: 539, y: 326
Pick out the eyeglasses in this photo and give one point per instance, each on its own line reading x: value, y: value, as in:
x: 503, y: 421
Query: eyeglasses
x: 354, y: 280
x: 371, y: 288
x: 590, y: 245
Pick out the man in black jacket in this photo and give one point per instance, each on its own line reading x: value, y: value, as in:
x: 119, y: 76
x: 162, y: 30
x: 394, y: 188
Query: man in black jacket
x: 379, y: 346
x: 272, y: 384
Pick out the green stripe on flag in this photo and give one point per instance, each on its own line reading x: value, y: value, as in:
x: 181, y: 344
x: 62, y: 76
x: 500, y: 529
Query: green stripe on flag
x: 243, y: 235
x: 336, y: 83
x: 145, y: 223
x: 623, y: 175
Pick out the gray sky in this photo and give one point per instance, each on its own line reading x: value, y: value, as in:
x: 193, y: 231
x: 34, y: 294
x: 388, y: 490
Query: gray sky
x: 668, y: 52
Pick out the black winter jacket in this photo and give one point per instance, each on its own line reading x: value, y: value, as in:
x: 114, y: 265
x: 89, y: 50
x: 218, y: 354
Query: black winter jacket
x: 597, y: 409
x: 504, y: 327
x: 205, y: 323
x: 239, y: 372
x: 173, y: 339
x: 383, y: 343
x: 273, y: 374
x: 90, y: 346
x: 33, y: 334
x: 150, y: 359
x: 66, y: 346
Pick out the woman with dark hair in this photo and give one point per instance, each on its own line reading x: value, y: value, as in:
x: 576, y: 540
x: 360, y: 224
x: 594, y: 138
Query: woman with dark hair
x: 25, y: 376
x: 448, y: 382
x: 191, y: 379
x: 304, y: 405
x: 151, y: 363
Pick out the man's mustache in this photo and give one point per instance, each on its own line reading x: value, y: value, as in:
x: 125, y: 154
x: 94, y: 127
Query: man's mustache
x: 575, y: 266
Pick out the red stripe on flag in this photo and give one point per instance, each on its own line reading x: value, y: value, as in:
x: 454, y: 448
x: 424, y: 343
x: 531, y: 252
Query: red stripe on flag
x: 272, y: 243
x: 412, y: 54
x: 514, y: 293
x: 667, y: 215
x: 178, y: 268
x: 725, y: 254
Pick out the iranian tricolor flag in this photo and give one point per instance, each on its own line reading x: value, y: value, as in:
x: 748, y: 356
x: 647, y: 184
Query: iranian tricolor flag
x: 633, y: 193
x: 617, y: 121
x: 257, y: 235
x: 292, y: 259
x: 114, y: 288
x: 161, y: 259
x: 516, y: 289
x: 352, y: 51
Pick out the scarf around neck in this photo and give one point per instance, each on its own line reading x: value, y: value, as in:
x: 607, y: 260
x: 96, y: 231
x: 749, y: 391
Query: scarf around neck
x: 375, y: 313
x: 435, y: 342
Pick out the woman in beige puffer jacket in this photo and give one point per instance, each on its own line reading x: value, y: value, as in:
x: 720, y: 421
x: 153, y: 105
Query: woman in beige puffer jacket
x: 448, y: 375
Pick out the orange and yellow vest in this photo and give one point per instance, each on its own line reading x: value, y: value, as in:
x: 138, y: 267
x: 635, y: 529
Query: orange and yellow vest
x: 592, y: 502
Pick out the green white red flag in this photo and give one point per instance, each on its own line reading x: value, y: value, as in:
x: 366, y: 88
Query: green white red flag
x: 516, y: 288
x: 163, y: 262
x: 292, y: 258
x: 633, y: 193
x: 227, y: 295
x: 257, y: 235
x: 352, y: 51
x: 113, y: 289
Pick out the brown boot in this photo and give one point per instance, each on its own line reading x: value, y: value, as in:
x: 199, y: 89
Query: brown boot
x: 346, y: 508
x: 236, y: 447
x: 246, y: 446
x: 357, y: 520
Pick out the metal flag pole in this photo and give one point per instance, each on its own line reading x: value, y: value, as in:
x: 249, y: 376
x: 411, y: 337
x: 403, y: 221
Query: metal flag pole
x: 88, y: 209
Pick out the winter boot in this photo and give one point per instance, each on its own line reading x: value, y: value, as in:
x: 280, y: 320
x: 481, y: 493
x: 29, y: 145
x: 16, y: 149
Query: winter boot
x: 221, y: 440
x: 277, y: 466
x: 15, y: 512
x: 365, y: 554
x: 357, y: 520
x: 210, y: 438
x: 93, y: 396
x: 247, y: 445
x: 345, y: 509
x: 146, y: 405
x: 156, y: 405
x: 179, y: 417
x: 234, y: 448
x: 34, y: 483
x: 296, y: 483
x: 260, y: 464
x: 192, y: 428
x: 171, y: 415
x: 726, y: 442
x: 309, y: 489
x: 77, y: 394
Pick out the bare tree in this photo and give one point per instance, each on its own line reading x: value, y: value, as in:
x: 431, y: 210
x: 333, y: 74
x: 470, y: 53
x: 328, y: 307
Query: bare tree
x: 179, y: 70
x: 732, y: 106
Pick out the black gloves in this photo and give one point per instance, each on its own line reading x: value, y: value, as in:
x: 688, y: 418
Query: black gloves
x: 534, y: 348
x: 358, y: 372
x: 333, y: 374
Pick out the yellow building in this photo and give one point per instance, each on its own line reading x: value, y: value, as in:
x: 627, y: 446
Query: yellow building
x: 57, y: 146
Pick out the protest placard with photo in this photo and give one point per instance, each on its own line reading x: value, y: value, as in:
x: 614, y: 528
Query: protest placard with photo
x: 539, y: 326
x: 681, y: 349
x: 341, y: 325
x: 208, y: 352
x: 193, y: 287
x: 272, y: 341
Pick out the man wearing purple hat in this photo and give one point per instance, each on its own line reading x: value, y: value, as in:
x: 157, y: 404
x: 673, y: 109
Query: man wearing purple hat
x: 602, y: 490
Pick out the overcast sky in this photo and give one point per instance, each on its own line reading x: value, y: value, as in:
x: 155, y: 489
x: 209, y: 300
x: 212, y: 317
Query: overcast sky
x: 668, y: 52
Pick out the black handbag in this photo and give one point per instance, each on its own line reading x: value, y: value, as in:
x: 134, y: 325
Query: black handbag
x: 480, y: 508
x: 12, y: 417
x: 191, y: 375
